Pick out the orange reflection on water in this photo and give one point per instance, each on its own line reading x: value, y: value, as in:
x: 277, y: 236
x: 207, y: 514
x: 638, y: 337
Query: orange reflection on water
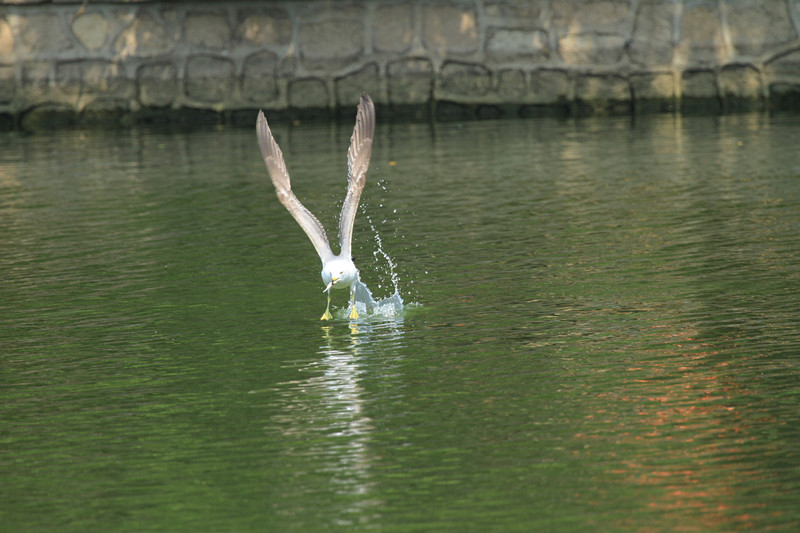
x: 693, y: 447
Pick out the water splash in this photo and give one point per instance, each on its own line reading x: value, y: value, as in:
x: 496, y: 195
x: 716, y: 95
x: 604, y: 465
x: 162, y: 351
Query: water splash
x: 380, y: 252
x: 391, y: 306
x: 366, y: 304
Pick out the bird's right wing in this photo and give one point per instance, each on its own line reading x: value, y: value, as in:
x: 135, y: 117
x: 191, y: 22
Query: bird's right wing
x: 273, y: 158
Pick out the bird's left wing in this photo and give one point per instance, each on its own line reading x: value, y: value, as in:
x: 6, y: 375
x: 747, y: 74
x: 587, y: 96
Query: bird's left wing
x: 357, y: 162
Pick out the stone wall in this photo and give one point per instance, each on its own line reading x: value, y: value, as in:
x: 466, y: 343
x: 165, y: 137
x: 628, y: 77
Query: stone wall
x: 459, y: 58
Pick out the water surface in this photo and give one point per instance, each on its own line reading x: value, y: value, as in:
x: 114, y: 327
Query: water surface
x: 600, y: 330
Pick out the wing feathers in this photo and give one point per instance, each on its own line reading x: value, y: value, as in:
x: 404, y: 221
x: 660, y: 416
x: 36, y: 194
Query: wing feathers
x: 358, y: 156
x: 273, y: 158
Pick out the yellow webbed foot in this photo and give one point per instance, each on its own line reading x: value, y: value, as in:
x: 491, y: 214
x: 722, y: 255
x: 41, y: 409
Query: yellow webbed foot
x: 353, y: 312
x: 327, y: 315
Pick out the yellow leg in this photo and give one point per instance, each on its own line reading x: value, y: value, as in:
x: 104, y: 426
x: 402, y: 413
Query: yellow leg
x: 327, y: 315
x: 353, y: 312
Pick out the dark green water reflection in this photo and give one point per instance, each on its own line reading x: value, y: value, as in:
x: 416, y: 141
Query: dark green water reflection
x: 605, y: 334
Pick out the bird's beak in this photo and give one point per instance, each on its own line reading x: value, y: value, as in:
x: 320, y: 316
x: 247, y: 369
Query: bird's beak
x: 334, y: 280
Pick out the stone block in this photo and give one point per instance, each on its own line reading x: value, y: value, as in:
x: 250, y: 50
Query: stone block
x: 144, y: 36
x: 604, y: 17
x: 287, y: 67
x: 327, y: 10
x: 264, y: 27
x: 91, y: 30
x: 393, y: 29
x: 207, y: 30
x: 652, y: 40
x: 512, y: 14
x: 260, y: 27
x: 464, y: 80
x: 350, y: 86
x: 156, y: 84
x: 39, y: 34
x: 701, y: 39
x: 653, y: 86
x: 549, y: 87
x: 785, y: 67
x: 93, y: 77
x: 209, y: 79
x: 699, y: 93
x: 591, y: 48
x: 597, y: 89
x: 756, y: 28
x: 699, y: 84
x: 740, y: 82
x: 410, y: 81
x: 103, y: 110
x: 8, y: 85
x: 448, y: 29
x: 590, y: 32
x: 784, y: 96
x: 46, y: 116
x: 308, y: 93
x: 517, y: 44
x: 330, y: 43
x: 259, y: 78
x: 6, y: 40
x: 603, y: 93
x: 653, y: 92
x: 511, y: 86
x: 35, y: 81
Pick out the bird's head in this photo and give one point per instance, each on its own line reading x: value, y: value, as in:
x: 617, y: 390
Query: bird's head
x: 339, y: 273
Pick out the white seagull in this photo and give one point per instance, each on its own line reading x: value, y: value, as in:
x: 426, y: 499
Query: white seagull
x: 338, y: 271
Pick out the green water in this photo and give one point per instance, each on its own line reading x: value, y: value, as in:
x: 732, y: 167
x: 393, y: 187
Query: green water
x: 601, y: 332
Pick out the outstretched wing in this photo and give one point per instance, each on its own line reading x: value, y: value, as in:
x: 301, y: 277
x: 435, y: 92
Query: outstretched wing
x: 357, y: 163
x: 273, y: 158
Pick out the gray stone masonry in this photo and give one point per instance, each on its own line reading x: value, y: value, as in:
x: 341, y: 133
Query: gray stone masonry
x: 149, y: 60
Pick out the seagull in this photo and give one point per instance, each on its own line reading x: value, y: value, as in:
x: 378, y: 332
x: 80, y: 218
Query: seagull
x: 338, y: 271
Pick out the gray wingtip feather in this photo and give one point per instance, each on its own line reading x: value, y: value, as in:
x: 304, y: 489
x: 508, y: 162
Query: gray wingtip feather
x: 265, y: 140
x: 366, y: 117
x: 360, y: 149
